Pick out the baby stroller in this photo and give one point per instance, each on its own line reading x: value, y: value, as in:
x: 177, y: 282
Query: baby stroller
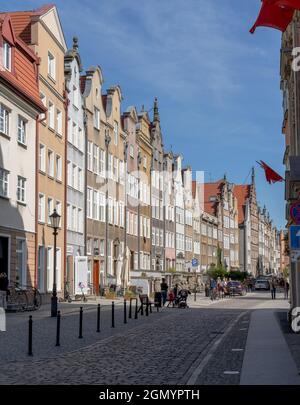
x: 181, y: 299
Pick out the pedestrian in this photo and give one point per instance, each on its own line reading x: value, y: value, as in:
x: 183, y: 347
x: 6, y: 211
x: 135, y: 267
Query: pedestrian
x: 273, y: 289
x: 164, y: 290
x: 213, y: 285
x: 3, y: 290
x: 286, y: 290
x: 175, y: 290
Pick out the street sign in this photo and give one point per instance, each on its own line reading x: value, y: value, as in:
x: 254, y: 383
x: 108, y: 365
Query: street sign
x: 295, y: 237
x: 295, y: 213
x: 195, y: 263
x: 295, y: 256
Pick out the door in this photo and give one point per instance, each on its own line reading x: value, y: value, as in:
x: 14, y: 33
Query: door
x: 96, y: 270
x: 4, y: 255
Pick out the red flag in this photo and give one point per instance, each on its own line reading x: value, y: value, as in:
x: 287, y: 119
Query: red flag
x: 276, y: 14
x: 271, y: 175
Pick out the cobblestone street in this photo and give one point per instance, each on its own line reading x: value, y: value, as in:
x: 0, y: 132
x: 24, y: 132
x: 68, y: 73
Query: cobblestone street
x: 158, y: 349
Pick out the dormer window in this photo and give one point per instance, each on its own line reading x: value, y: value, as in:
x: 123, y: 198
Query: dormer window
x: 7, y: 56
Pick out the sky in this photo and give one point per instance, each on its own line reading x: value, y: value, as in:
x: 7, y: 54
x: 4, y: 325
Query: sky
x: 218, y: 86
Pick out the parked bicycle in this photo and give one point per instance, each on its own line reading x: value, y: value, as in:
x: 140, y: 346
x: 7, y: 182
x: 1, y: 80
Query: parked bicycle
x: 23, y: 298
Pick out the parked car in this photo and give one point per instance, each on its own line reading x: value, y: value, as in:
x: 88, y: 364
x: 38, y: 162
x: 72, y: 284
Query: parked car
x: 262, y: 285
x: 235, y: 288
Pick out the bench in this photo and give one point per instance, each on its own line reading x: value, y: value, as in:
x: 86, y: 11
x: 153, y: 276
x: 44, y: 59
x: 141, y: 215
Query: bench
x: 145, y: 301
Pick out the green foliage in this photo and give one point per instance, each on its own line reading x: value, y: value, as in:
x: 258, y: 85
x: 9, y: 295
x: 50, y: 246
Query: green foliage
x: 286, y: 273
x: 217, y: 271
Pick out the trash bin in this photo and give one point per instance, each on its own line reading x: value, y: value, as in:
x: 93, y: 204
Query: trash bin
x: 157, y: 299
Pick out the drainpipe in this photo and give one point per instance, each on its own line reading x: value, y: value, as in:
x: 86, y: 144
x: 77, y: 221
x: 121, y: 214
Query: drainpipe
x: 66, y: 103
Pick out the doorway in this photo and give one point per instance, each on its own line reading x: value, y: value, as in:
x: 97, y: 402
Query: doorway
x: 96, y: 279
x: 4, y: 254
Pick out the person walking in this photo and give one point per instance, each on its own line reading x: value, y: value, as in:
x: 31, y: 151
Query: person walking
x: 213, y: 286
x: 175, y: 290
x: 3, y: 290
x: 286, y: 290
x: 164, y: 290
x: 273, y: 289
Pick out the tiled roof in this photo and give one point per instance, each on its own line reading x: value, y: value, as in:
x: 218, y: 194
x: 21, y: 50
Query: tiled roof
x: 211, y: 190
x: 242, y: 193
x: 23, y: 76
x: 22, y: 21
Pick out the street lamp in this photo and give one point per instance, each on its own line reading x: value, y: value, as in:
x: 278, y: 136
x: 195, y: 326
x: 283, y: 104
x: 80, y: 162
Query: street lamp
x: 54, y: 221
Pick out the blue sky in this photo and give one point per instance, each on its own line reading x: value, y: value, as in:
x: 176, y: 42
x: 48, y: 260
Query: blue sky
x: 217, y: 85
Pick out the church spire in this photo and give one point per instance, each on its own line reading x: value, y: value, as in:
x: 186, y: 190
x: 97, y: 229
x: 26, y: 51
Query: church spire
x: 155, y: 111
x: 253, y: 177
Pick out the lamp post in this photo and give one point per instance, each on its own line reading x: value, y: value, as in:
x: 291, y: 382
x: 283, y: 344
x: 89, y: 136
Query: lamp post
x: 55, y: 220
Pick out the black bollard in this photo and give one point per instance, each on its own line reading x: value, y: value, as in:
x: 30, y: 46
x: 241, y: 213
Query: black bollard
x: 125, y: 312
x: 58, y: 329
x: 30, y: 336
x: 80, y: 323
x: 113, y: 314
x: 147, y: 308
x: 136, y: 309
x: 130, y: 309
x: 98, y: 318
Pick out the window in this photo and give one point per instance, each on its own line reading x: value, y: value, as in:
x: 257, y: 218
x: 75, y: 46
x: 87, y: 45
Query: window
x: 22, y: 130
x: 74, y: 176
x: 69, y: 216
x: 145, y: 162
x: 51, y: 66
x: 80, y: 221
x: 7, y: 56
x: 50, y: 163
x: 80, y: 179
x: 96, y: 159
x: 116, y: 132
x: 226, y: 242
x: 4, y: 120
x: 58, y: 168
x: 42, y: 158
x: 115, y: 168
x: 90, y: 156
x: 21, y: 189
x: 121, y: 215
x: 74, y: 219
x: 101, y: 207
x: 51, y: 115
x: 59, y: 122
x: 4, y: 183
x: 131, y: 151
x: 226, y: 222
x: 96, y: 118
x: 102, y: 162
x: 110, y: 210
x: 21, y: 267
x: 116, y: 212
x: 58, y: 207
x: 89, y: 202
x: 50, y: 209
x: 75, y: 96
x: 41, y: 209
x: 80, y: 140
x: 110, y: 166
x: 95, y: 205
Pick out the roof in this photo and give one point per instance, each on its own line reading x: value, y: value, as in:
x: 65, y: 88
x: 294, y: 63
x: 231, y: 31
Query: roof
x: 242, y: 193
x: 22, y: 21
x: 23, y: 76
x: 212, y: 190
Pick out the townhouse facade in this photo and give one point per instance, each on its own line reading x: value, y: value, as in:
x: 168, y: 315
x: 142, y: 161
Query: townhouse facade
x: 96, y: 177
x: 157, y: 220
x: 290, y: 85
x: 76, y: 168
x: 20, y: 111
